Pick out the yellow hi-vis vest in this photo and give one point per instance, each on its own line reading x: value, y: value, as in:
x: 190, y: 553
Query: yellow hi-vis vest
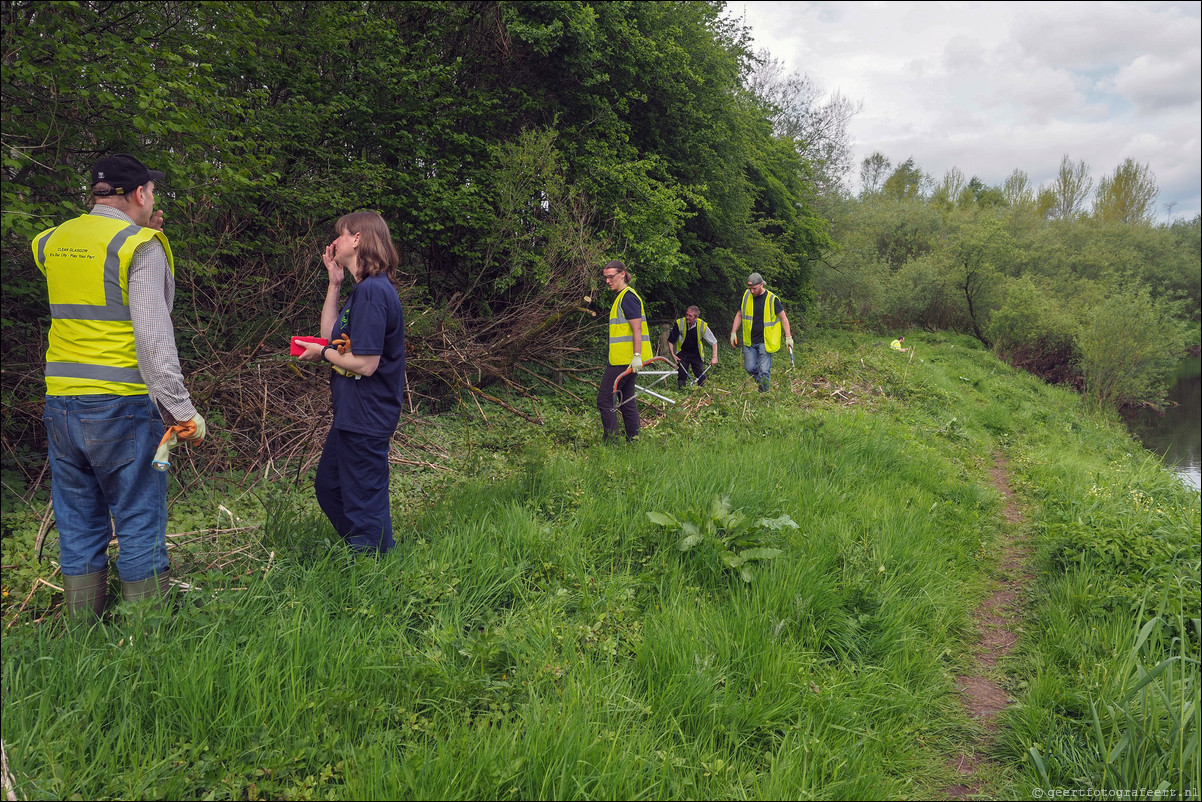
x: 772, y: 336
x: 682, y: 326
x: 86, y: 264
x: 621, y: 333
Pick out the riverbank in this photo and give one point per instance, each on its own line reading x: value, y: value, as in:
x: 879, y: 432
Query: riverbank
x: 537, y: 636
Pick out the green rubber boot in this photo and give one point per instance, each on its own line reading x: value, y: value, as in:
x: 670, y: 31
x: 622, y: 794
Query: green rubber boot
x: 86, y: 594
x: 152, y: 588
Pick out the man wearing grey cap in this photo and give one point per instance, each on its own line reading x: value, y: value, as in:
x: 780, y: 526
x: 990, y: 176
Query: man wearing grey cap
x: 112, y: 379
x: 761, y: 318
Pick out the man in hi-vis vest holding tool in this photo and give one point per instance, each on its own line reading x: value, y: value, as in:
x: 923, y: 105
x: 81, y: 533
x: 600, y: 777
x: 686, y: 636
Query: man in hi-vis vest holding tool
x: 687, y: 344
x: 629, y: 347
x: 760, y: 321
x: 112, y: 379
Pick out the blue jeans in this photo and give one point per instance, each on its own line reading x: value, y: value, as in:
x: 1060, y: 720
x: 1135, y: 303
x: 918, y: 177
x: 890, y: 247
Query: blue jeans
x: 758, y: 362
x: 352, y: 489
x: 101, y: 448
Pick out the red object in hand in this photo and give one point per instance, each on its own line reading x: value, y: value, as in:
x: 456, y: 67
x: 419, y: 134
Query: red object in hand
x: 297, y: 349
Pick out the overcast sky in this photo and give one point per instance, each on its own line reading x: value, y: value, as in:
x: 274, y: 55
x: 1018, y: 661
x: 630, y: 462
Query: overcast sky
x: 991, y: 87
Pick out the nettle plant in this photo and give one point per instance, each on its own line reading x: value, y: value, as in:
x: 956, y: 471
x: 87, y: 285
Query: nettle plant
x: 738, y: 540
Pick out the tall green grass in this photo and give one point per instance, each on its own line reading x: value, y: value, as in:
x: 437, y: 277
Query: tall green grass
x: 536, y: 636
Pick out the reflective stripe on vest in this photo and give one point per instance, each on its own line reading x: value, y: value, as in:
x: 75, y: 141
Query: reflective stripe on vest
x: 621, y: 334
x: 86, y: 263
x: 772, y: 328
x: 682, y: 326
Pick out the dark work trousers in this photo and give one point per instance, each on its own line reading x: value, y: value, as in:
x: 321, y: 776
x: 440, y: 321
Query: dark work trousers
x: 685, y: 361
x: 352, y: 489
x: 606, y: 401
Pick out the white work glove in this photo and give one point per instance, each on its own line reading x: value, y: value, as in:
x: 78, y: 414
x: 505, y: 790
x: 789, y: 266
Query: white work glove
x: 198, y: 438
x: 636, y: 364
x: 734, y: 341
x: 789, y: 343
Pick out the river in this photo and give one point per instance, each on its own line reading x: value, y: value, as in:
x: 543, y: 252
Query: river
x: 1177, y: 434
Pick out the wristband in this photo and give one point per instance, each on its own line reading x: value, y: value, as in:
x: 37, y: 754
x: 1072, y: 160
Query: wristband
x: 323, y: 352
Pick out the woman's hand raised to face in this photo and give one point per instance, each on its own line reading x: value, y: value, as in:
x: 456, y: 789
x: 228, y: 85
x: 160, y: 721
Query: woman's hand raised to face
x: 332, y: 267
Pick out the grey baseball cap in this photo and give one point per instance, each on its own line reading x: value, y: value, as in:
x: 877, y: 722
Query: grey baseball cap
x: 755, y: 278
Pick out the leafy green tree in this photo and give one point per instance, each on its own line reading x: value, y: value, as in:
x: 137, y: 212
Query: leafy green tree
x: 980, y: 247
x: 947, y: 193
x: 1128, y: 349
x: 903, y: 229
x: 905, y: 182
x: 1127, y: 196
x: 1033, y: 330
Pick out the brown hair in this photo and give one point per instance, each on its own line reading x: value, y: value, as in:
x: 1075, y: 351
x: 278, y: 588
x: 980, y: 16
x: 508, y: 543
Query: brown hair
x: 377, y: 255
x: 617, y: 264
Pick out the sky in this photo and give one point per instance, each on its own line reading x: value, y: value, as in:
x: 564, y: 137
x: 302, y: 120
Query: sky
x: 993, y: 87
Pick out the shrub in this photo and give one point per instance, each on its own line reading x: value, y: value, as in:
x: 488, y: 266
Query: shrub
x: 1128, y: 349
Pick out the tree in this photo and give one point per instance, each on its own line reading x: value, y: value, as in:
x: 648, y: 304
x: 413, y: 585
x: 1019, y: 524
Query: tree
x: 907, y: 181
x: 799, y: 113
x: 979, y: 247
x: 873, y: 171
x: 1128, y: 349
x: 1070, y: 189
x: 1016, y: 191
x: 948, y: 191
x: 1127, y: 196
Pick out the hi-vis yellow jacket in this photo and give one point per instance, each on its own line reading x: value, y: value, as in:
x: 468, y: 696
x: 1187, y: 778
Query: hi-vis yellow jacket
x: 682, y: 326
x: 772, y: 338
x: 621, y: 333
x: 86, y: 264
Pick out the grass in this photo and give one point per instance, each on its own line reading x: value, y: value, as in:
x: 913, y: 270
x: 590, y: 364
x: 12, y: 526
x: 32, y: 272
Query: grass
x: 537, y: 636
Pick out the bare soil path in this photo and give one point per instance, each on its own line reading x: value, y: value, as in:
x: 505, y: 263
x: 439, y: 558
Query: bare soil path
x: 997, y: 622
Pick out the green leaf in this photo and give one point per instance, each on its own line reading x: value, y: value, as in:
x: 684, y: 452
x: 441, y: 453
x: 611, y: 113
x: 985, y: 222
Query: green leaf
x: 778, y: 523
x: 689, y: 541
x: 663, y: 519
x: 720, y: 507
x: 1149, y: 677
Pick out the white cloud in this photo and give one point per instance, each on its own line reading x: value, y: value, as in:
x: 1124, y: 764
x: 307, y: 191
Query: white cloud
x: 991, y: 87
x: 1155, y: 83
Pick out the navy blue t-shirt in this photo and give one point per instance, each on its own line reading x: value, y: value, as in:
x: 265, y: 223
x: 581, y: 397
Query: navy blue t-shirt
x: 631, y: 306
x: 373, y: 318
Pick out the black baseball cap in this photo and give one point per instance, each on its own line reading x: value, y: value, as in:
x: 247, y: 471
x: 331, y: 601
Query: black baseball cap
x: 123, y: 173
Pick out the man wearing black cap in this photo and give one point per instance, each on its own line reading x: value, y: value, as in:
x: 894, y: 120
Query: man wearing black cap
x: 760, y: 319
x: 112, y: 378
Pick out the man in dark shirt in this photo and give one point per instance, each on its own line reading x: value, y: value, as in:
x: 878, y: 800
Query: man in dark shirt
x: 687, y: 344
x: 761, y: 317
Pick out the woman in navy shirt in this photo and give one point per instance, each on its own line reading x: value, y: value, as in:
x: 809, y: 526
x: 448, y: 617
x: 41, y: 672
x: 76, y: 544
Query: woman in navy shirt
x: 367, y: 379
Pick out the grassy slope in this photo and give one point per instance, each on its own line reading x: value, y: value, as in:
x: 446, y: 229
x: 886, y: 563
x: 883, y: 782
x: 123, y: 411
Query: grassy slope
x: 536, y: 636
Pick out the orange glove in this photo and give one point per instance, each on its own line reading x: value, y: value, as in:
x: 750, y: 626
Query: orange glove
x: 191, y: 432
x: 343, y: 343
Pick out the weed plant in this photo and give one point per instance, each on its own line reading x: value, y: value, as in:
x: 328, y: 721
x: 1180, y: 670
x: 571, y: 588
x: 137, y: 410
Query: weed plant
x: 536, y: 636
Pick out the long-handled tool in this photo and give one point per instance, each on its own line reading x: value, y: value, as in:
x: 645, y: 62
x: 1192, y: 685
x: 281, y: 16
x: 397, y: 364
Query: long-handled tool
x: 697, y: 379
x: 662, y: 374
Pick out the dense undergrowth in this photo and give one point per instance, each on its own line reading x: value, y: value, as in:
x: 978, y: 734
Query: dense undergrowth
x: 536, y: 635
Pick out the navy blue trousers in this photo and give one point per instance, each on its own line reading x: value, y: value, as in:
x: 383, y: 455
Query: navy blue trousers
x: 606, y: 401
x: 352, y: 489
